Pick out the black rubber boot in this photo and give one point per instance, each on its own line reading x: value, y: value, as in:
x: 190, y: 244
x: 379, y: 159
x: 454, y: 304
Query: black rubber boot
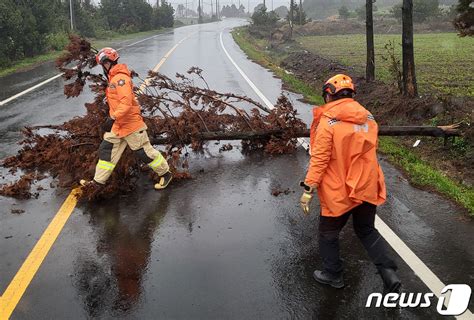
x: 329, y: 279
x: 391, y: 282
x: 164, y: 181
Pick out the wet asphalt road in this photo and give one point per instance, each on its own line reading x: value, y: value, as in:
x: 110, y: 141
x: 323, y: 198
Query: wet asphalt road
x: 219, y: 246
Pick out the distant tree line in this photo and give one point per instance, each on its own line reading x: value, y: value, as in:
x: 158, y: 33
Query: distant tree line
x: 422, y: 10
x: 232, y: 11
x: 183, y: 12
x: 32, y: 27
x: 356, y: 8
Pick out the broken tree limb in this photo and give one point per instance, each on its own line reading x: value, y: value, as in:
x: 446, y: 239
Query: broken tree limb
x: 441, y: 131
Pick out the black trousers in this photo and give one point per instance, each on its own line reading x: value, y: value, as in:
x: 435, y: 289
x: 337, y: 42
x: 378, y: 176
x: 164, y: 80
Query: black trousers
x: 363, y: 218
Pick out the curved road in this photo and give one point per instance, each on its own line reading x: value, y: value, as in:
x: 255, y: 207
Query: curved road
x: 219, y: 246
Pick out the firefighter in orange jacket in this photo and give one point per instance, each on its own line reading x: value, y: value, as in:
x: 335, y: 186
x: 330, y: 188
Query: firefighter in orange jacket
x: 126, y: 126
x: 348, y: 179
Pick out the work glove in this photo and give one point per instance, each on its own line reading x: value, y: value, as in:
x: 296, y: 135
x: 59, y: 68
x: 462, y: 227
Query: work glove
x: 107, y: 125
x: 306, y: 197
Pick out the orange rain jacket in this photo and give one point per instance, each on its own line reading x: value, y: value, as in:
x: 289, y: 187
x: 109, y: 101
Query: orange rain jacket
x: 123, y: 106
x: 343, y: 163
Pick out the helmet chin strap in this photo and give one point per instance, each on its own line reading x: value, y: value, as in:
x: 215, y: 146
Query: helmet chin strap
x: 106, y: 72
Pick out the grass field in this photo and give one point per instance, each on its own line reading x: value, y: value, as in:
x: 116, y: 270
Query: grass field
x: 444, y: 62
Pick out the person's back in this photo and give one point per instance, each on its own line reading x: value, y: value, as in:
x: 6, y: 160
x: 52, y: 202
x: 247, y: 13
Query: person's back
x: 122, y: 101
x: 345, y: 172
x: 347, y: 136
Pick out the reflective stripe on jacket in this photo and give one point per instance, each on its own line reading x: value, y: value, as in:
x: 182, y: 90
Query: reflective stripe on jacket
x: 343, y: 161
x: 123, y: 105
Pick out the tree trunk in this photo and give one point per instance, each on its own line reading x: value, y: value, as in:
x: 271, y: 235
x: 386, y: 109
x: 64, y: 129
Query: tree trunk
x: 291, y: 19
x: 445, y: 131
x: 301, y: 12
x: 409, y: 77
x: 369, y: 24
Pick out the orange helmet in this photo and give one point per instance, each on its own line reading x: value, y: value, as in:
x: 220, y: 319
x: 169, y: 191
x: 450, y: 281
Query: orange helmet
x: 106, y: 54
x: 337, y: 83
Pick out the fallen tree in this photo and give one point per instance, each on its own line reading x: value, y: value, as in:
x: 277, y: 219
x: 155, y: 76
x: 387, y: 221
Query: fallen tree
x: 178, y: 112
x: 427, y: 131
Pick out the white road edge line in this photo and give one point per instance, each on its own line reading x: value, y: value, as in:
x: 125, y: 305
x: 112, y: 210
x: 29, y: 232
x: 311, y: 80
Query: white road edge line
x: 415, y: 263
x: 304, y: 143
x: 29, y: 90
x: 411, y: 259
x: 16, y: 96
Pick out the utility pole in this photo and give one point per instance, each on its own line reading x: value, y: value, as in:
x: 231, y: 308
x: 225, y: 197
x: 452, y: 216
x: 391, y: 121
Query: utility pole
x: 369, y: 29
x: 199, y: 12
x: 70, y: 12
x: 409, y: 76
x: 301, y: 12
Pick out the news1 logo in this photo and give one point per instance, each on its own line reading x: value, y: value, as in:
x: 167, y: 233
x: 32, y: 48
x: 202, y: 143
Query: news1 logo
x: 460, y: 294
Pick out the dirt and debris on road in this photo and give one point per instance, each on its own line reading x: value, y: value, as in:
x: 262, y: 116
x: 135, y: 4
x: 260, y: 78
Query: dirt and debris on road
x: 279, y: 191
x: 21, y: 188
x: 226, y: 147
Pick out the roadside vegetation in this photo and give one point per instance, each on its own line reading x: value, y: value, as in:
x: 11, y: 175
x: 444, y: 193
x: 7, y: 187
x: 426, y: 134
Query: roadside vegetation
x: 432, y: 165
x: 422, y: 174
x: 37, y: 31
x: 256, y: 51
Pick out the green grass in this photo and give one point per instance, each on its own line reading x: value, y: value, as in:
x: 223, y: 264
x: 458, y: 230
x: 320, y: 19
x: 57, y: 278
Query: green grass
x: 419, y: 172
x: 96, y: 43
x: 255, y: 50
x: 424, y: 175
x: 444, y: 61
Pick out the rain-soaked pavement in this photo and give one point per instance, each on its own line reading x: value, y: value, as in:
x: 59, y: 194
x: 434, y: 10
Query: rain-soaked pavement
x: 219, y: 246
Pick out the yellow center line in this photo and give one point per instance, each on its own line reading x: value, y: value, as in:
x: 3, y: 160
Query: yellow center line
x: 17, y: 287
x: 22, y: 279
x: 146, y: 83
